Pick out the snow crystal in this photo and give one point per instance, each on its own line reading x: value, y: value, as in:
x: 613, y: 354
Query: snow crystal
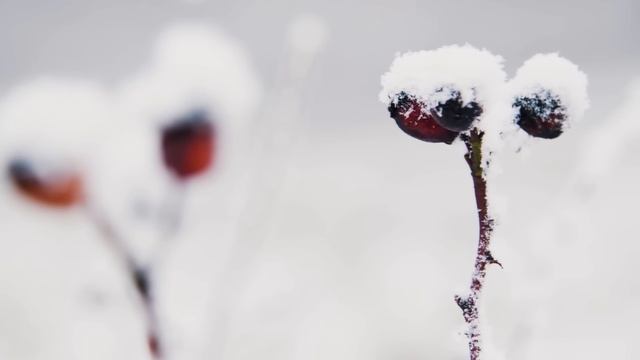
x: 554, y: 75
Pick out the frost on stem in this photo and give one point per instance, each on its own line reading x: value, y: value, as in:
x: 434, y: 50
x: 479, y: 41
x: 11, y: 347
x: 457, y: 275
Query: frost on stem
x: 469, y: 302
x: 142, y: 282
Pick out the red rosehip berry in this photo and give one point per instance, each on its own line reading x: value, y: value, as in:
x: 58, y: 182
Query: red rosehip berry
x: 454, y: 115
x: 60, y: 190
x: 540, y: 115
x: 410, y: 117
x: 188, y: 145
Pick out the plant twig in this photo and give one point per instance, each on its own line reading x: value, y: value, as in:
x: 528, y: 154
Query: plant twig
x: 139, y: 277
x: 469, y: 302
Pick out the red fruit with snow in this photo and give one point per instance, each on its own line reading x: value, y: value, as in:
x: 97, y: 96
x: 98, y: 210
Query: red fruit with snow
x: 540, y: 115
x: 409, y: 114
x: 188, y: 145
x: 549, y: 94
x: 59, y: 190
x: 454, y: 115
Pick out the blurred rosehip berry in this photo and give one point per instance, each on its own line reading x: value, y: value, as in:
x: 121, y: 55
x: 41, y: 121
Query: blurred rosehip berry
x: 188, y: 145
x: 540, y: 115
x: 410, y: 117
x: 60, y: 190
x: 454, y: 115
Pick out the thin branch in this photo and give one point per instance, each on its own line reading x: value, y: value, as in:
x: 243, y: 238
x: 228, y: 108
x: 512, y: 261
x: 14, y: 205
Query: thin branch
x: 138, y: 276
x: 469, y: 303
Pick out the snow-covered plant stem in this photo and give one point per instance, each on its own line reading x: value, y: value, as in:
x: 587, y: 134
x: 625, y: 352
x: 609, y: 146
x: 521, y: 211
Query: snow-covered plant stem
x: 469, y: 303
x: 143, y: 284
x: 459, y: 93
x: 139, y: 277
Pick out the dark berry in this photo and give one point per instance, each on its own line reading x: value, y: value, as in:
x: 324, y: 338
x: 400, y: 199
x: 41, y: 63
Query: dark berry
x: 188, y: 145
x: 540, y: 115
x: 59, y: 190
x: 408, y: 114
x: 456, y: 116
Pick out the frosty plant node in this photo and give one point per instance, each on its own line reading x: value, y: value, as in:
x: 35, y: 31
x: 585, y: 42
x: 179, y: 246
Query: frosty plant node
x: 460, y: 94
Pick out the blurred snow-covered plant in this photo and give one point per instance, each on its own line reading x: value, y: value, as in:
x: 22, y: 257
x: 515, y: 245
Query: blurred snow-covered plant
x: 195, y: 95
x: 197, y: 90
x: 460, y: 94
x: 52, y: 132
x: 73, y: 144
x: 47, y: 127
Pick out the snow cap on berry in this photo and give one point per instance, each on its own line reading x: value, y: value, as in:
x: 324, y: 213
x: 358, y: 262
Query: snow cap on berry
x: 462, y: 74
x: 194, y: 67
x: 552, y: 89
x: 49, y: 130
x: 56, y: 121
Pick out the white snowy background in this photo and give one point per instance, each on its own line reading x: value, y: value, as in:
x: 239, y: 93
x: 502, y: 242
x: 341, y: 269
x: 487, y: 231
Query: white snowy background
x: 351, y: 238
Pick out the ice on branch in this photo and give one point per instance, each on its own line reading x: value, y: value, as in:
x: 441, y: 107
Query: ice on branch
x: 549, y: 92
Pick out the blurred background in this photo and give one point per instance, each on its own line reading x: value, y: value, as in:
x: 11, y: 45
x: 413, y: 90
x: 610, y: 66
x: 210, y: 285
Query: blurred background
x: 329, y: 234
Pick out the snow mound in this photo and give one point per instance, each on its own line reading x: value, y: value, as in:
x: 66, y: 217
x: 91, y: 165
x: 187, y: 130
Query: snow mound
x: 434, y: 75
x: 53, y: 120
x: 193, y: 67
x: 550, y: 75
